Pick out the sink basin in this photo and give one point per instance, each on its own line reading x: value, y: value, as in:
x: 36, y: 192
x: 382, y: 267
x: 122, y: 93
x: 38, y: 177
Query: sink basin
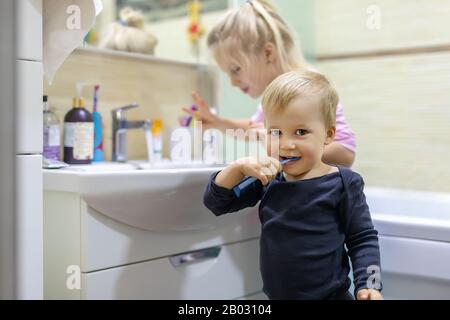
x: 162, y: 197
x: 100, y: 167
x: 136, y: 165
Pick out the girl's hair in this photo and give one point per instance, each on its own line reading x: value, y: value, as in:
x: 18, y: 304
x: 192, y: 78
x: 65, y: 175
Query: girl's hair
x: 129, y: 35
x: 302, y: 84
x: 244, y: 32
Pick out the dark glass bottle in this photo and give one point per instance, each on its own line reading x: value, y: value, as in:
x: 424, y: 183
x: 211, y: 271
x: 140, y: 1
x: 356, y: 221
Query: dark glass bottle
x: 78, y: 134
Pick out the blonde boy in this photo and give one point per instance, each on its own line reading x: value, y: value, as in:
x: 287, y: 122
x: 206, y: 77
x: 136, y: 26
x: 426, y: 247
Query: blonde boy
x: 309, y: 210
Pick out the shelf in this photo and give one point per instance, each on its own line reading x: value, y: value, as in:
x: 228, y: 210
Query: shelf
x: 140, y: 56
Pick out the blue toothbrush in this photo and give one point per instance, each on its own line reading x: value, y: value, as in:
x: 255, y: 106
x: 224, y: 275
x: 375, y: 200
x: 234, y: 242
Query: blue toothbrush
x: 249, y: 180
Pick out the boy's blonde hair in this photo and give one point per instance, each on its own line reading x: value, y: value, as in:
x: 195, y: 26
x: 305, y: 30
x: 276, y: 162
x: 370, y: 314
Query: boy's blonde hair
x: 292, y: 85
x: 243, y: 32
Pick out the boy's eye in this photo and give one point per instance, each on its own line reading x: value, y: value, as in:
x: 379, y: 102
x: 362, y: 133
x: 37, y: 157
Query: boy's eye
x: 301, y: 132
x: 275, y: 132
x: 236, y: 70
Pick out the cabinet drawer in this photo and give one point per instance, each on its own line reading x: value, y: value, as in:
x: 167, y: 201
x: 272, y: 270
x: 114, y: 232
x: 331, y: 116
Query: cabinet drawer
x: 230, y: 273
x: 29, y: 30
x: 106, y: 243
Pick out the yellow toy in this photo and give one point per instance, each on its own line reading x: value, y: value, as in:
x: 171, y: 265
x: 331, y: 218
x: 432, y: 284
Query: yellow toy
x: 195, y: 28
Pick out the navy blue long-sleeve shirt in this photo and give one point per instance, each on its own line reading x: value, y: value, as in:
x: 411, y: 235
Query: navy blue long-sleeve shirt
x: 305, y: 225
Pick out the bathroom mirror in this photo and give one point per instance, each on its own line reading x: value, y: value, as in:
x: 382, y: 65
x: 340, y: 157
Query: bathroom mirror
x: 158, y: 10
x: 168, y: 21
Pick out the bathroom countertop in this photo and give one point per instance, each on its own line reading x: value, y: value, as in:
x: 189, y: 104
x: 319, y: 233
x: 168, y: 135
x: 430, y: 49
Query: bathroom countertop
x: 132, y: 175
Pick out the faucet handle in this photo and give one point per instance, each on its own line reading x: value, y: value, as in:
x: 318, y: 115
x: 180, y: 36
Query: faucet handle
x: 116, y: 112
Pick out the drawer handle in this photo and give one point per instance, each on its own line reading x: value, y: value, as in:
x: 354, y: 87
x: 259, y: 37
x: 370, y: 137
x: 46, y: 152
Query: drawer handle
x: 195, y: 256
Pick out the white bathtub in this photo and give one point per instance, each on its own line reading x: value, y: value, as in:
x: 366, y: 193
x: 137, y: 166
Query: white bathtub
x: 414, y: 233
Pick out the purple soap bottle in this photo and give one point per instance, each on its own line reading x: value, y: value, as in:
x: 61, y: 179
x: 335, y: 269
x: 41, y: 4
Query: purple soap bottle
x: 52, y: 136
x: 78, y: 134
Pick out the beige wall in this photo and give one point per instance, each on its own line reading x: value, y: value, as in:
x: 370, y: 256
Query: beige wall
x: 398, y: 99
x: 173, y: 41
x: 160, y: 87
x: 347, y: 26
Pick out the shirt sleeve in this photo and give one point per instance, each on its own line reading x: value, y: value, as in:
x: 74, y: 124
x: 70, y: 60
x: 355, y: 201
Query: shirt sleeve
x: 360, y: 237
x: 258, y: 116
x: 344, y: 134
x: 221, y: 200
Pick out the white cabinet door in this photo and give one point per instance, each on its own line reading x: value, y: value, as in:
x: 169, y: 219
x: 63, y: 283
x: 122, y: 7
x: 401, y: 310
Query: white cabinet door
x: 29, y: 130
x: 133, y: 245
x: 231, y: 273
x: 29, y: 227
x: 29, y: 30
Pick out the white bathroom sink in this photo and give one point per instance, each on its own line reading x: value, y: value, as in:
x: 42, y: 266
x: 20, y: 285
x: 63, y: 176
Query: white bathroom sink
x: 134, y: 165
x: 161, y: 197
x: 100, y: 167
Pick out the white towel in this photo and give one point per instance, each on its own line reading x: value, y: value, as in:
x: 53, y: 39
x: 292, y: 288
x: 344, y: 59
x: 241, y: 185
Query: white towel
x: 65, y: 24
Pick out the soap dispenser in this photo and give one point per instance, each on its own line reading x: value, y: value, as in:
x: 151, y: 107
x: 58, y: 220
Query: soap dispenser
x: 78, y: 134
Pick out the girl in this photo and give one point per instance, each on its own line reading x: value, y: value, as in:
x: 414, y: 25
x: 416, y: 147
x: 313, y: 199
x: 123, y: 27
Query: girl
x: 253, y: 46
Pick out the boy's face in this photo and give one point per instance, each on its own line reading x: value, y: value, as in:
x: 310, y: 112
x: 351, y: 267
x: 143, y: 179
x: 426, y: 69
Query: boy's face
x: 252, y: 80
x: 298, y: 131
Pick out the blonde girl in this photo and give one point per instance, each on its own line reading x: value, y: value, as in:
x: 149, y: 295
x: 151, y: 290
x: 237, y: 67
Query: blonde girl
x: 253, y: 45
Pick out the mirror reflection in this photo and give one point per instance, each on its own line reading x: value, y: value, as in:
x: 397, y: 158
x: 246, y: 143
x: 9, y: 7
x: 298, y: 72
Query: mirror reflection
x: 170, y: 29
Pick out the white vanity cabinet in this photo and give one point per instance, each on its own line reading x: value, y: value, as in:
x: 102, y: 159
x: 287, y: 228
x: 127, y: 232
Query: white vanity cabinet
x: 28, y: 142
x: 88, y: 255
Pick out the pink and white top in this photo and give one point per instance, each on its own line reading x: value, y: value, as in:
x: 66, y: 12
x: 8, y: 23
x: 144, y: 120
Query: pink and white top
x: 344, y: 135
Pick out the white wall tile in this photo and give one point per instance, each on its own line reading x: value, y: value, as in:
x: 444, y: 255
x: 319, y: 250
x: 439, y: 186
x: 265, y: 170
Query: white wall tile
x: 399, y: 108
x: 349, y: 26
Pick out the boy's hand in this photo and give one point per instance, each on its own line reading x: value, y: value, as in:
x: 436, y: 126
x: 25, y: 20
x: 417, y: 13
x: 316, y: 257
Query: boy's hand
x: 263, y: 168
x: 369, y: 294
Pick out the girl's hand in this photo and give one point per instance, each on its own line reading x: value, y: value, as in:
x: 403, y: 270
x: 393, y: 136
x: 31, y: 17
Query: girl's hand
x: 263, y: 168
x: 204, y: 114
x: 369, y: 294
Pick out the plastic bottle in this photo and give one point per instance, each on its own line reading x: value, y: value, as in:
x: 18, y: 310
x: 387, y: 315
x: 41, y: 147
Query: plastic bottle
x: 78, y: 134
x: 157, y: 135
x: 52, y: 133
x: 211, y: 145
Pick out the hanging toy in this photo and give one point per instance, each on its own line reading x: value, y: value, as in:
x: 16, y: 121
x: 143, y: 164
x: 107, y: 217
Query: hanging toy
x: 195, y: 28
x: 92, y: 37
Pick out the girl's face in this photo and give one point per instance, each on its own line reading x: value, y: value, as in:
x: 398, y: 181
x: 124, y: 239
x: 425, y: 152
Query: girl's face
x: 252, y: 79
x: 298, y: 131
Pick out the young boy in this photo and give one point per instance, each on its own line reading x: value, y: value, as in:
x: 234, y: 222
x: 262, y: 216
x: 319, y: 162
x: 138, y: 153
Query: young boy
x: 308, y: 209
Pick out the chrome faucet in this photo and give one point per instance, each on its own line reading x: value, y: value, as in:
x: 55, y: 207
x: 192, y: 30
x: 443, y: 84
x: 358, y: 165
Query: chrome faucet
x: 120, y: 126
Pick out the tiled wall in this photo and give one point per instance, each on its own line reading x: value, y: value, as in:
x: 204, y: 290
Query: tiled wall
x: 394, y: 83
x: 173, y: 41
x: 161, y: 88
x: 349, y: 26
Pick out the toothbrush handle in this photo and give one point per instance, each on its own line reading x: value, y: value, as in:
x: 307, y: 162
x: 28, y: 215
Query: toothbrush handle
x: 243, y: 184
